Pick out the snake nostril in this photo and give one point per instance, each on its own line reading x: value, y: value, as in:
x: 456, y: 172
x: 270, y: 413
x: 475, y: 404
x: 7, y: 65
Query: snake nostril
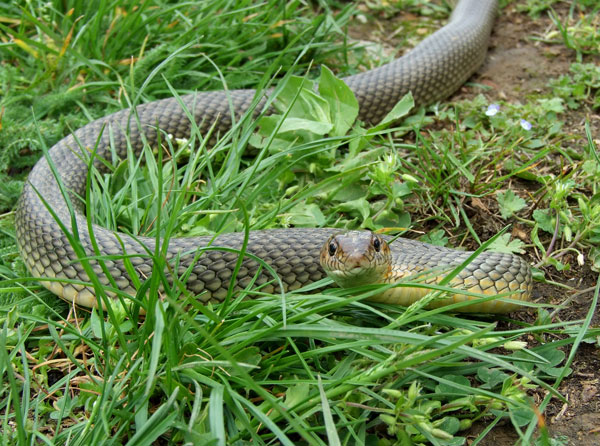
x: 332, y: 249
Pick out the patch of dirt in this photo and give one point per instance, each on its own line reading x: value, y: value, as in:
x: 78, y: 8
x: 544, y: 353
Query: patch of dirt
x: 518, y: 65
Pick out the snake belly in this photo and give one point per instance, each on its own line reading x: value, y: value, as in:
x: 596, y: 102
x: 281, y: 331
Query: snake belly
x: 431, y: 71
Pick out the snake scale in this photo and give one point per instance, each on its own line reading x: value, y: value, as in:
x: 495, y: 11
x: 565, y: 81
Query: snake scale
x: 434, y: 69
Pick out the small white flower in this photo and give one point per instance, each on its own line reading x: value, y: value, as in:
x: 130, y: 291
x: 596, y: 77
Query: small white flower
x: 181, y: 142
x: 525, y: 124
x: 492, y: 109
x: 361, y: 18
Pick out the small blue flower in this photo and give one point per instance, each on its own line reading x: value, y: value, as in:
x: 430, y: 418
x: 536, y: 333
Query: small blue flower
x: 492, y: 109
x: 525, y: 124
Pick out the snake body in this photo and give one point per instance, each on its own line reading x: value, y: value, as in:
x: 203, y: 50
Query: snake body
x: 431, y: 71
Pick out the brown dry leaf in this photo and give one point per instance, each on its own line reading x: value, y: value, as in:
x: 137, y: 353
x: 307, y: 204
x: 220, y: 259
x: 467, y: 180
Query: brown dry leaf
x: 477, y: 203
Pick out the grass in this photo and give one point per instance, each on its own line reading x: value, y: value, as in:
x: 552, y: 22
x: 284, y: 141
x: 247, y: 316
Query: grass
x: 319, y: 366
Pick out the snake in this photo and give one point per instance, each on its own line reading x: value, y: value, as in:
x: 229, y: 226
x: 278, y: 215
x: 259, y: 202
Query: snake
x: 64, y: 253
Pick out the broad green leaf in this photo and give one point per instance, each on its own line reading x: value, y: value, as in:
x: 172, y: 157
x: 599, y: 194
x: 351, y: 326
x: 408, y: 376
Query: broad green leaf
x: 509, y: 203
x: 522, y: 416
x: 348, y: 193
x: 96, y: 324
x: 299, y: 98
x: 249, y: 355
x: 595, y: 256
x: 398, y: 220
x: 306, y: 215
x: 291, y: 125
x: 443, y: 388
x: 504, y: 244
x: 359, y: 206
x: 490, y: 377
x: 450, y: 425
x: 361, y: 159
x: 545, y: 220
x: 400, y: 110
x: 290, y: 90
x: 341, y: 100
x: 591, y: 167
x: 296, y: 394
x: 436, y: 237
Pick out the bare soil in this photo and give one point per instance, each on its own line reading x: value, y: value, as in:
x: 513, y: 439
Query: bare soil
x: 520, y: 65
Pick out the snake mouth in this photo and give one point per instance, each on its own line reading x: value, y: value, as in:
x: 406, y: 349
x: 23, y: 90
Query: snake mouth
x: 356, y: 276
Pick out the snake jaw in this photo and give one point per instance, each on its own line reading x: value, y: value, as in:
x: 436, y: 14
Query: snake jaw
x: 356, y: 258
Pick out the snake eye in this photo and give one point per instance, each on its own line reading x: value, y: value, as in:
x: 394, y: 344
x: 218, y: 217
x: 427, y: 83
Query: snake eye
x: 377, y: 244
x: 332, y: 249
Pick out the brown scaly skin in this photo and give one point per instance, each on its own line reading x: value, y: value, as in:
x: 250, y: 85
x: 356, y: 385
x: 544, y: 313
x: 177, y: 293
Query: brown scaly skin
x: 431, y: 71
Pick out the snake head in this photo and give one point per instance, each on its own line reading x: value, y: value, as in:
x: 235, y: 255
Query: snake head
x: 356, y: 258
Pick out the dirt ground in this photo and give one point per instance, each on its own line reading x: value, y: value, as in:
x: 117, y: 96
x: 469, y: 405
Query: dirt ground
x: 516, y: 67
x: 519, y: 65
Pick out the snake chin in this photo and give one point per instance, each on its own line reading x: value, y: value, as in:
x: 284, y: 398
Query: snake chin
x: 358, y: 276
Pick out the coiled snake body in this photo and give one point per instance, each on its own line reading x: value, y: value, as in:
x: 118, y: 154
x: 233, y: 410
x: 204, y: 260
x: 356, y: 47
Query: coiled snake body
x: 431, y: 71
